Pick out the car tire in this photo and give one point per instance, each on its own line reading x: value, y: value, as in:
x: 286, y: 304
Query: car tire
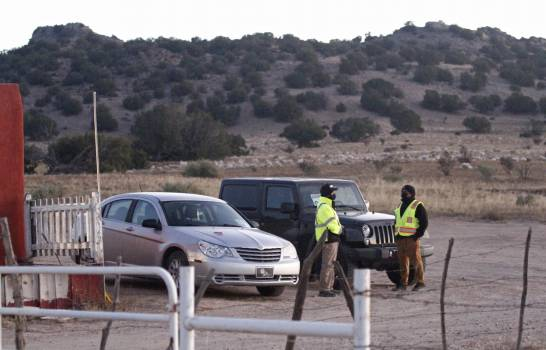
x: 173, y: 263
x: 270, y: 291
x: 394, y: 275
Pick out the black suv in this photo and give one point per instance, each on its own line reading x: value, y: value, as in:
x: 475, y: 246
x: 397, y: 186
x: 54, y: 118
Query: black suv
x: 286, y: 207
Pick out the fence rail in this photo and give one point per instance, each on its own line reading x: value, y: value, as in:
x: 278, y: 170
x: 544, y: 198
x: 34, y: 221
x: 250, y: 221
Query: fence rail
x: 67, y: 226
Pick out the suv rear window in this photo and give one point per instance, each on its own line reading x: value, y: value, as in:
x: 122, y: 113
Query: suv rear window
x: 244, y: 197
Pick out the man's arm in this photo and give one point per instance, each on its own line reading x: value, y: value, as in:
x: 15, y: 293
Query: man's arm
x: 421, y: 215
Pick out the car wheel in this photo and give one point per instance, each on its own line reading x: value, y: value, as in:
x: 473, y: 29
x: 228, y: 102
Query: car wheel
x: 270, y: 291
x: 394, y: 275
x: 174, y: 261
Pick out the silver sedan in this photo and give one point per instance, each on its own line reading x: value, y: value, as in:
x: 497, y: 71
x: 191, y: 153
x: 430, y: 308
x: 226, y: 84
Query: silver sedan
x: 174, y: 229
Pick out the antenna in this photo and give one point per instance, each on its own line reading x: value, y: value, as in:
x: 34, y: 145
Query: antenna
x: 96, y: 142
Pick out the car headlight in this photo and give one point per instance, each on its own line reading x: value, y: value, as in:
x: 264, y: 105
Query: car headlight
x: 366, y: 231
x: 214, y: 250
x: 289, y: 252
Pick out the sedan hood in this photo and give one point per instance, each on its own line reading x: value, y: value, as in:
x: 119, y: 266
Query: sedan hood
x: 236, y: 237
x: 355, y: 217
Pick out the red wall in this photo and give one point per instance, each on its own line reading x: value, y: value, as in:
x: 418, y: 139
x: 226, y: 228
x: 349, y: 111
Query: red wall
x: 12, y: 190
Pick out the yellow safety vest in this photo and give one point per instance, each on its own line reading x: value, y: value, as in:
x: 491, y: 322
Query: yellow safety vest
x: 326, y: 219
x: 407, y: 225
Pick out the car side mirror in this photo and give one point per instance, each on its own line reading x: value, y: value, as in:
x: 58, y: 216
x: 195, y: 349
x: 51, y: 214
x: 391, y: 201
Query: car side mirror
x: 152, y: 223
x: 288, y: 208
x: 254, y: 224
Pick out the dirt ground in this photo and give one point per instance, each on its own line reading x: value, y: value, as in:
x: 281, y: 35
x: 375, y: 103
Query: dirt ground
x: 482, y: 303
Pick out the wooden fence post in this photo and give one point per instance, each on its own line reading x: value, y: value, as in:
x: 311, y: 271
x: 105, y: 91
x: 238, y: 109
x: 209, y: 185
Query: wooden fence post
x: 524, y: 292
x: 443, y: 291
x: 302, y: 288
x: 16, y: 281
x: 346, y: 287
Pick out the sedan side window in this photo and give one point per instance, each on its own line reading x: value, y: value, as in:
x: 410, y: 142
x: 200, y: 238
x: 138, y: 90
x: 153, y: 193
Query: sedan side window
x: 277, y: 195
x: 143, y: 211
x: 118, y: 210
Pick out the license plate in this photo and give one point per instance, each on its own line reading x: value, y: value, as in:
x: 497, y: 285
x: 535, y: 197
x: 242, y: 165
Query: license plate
x: 264, y: 272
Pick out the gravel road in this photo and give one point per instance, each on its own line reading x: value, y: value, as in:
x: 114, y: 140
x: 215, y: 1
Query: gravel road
x: 482, y: 303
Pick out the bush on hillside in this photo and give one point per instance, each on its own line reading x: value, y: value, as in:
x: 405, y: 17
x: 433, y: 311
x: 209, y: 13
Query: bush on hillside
x: 354, y: 129
x: 404, y: 119
x: 77, y: 154
x: 33, y: 157
x: 485, y: 104
x: 385, y: 88
x: 228, y: 115
x: 429, y: 74
x: 262, y: 108
x: 518, y: 103
x: 313, y: 101
x: 134, y: 102
x: 39, y: 127
x: 374, y: 101
x: 105, y: 87
x: 515, y: 75
x: 166, y: 133
x: 67, y: 104
x: 347, y: 87
x: 341, y: 108
x: 542, y: 104
x: 534, y: 128
x: 442, y: 102
x: 105, y: 119
x: 287, y: 109
x: 296, y: 80
x: 473, y: 82
x: 304, y: 133
x: 201, y: 168
x: 478, y: 125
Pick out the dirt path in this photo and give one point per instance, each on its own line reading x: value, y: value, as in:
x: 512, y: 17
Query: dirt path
x: 483, y: 296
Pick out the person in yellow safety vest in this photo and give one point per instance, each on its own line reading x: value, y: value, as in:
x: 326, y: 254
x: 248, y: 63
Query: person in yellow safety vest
x: 327, y: 222
x: 411, y: 224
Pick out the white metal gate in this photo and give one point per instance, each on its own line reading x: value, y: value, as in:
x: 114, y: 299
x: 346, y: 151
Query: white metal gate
x: 66, y: 226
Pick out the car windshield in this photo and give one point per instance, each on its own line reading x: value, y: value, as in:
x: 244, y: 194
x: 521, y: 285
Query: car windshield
x: 348, y: 197
x: 202, y: 213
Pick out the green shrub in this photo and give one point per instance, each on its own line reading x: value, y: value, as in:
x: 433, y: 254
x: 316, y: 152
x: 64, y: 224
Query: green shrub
x: 478, y: 125
x: 486, y: 172
x: 262, y: 108
x: 134, y: 102
x: 296, y: 80
x: 67, y: 105
x: 77, y: 154
x: 105, y: 119
x: 341, y: 108
x: 374, y: 101
x: 542, y: 104
x: 228, y: 115
x: 287, y: 109
x: 39, y: 127
x: 347, y: 87
x: 347, y: 66
x: 304, y: 133
x: 525, y: 200
x: 429, y: 74
x: 534, y: 128
x: 182, y: 187
x: 105, y: 87
x: 201, y: 168
x: 518, y: 103
x: 404, y: 119
x: 313, y: 101
x: 485, y: 104
x: 321, y: 79
x: 166, y: 133
x: 442, y: 102
x: 181, y: 89
x: 515, y: 75
x: 473, y: 82
x: 39, y: 77
x: 237, y: 95
x: 354, y: 129
x: 507, y: 164
x: 384, y: 87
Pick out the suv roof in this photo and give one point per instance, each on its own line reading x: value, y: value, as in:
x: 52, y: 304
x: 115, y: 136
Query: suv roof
x: 283, y: 179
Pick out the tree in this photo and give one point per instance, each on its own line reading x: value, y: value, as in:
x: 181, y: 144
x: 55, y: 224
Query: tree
x: 404, y: 119
x: 478, y: 125
x: 347, y: 87
x: 485, y: 104
x: 262, y: 108
x: 287, y: 109
x: 296, y: 80
x: 105, y: 119
x: 473, y: 82
x: 304, y: 133
x: 39, y: 127
x: 341, y: 108
x: 354, y: 129
x: 67, y: 105
x: 518, y: 103
x: 166, y: 133
x: 313, y: 101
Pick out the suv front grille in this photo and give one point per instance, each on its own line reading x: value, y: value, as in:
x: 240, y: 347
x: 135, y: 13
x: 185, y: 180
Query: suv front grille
x: 384, y: 234
x: 256, y: 255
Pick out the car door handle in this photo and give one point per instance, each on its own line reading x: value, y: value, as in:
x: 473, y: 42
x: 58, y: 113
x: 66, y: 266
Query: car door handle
x: 130, y: 229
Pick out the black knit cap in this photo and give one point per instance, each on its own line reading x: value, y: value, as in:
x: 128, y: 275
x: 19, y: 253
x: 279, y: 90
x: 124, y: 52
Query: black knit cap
x: 327, y: 189
x: 410, y: 189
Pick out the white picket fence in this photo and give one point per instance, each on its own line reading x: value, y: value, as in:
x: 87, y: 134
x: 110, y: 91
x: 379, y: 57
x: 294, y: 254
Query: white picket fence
x: 67, y: 226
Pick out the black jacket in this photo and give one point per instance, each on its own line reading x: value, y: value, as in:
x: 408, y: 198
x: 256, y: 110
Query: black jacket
x: 420, y: 214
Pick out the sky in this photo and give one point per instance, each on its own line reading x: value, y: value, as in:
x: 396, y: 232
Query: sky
x: 308, y: 19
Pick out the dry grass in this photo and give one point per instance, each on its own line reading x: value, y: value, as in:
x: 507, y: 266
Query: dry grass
x: 463, y: 194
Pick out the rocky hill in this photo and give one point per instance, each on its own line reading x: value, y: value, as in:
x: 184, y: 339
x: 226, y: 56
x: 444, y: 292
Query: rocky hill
x: 417, y: 79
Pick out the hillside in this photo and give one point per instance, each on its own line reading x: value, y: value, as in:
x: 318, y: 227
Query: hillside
x: 251, y: 86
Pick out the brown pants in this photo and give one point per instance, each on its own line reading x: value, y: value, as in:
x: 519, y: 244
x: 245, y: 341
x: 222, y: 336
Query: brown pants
x: 409, y: 250
x: 329, y: 255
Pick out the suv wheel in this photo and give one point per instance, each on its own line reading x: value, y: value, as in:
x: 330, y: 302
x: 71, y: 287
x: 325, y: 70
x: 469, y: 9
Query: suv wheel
x: 270, y: 291
x: 174, y: 261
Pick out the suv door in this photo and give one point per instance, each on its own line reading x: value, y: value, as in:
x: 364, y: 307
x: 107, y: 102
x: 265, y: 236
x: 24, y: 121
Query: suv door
x: 143, y: 243
x: 273, y: 221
